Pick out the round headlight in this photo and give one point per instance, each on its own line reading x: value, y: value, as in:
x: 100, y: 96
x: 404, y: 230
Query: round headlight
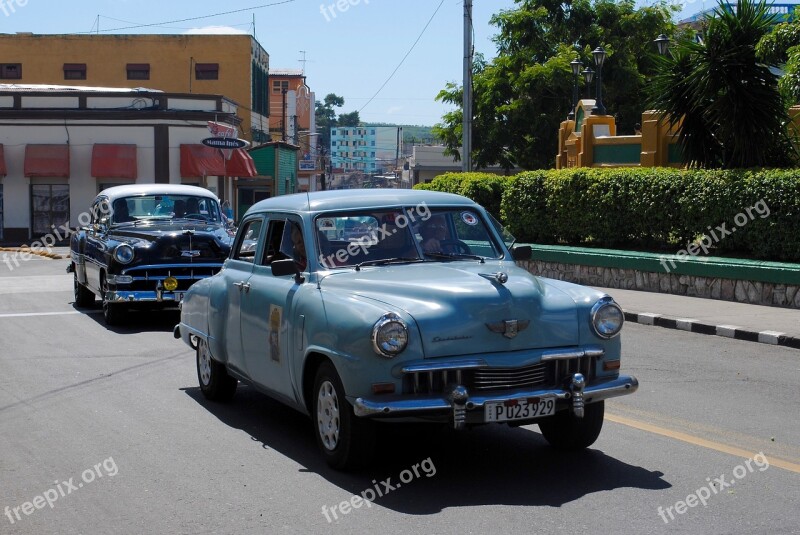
x: 607, y: 318
x: 123, y: 254
x: 389, y: 335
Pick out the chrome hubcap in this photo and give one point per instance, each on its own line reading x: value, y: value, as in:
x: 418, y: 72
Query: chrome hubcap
x: 204, y: 363
x: 328, y: 415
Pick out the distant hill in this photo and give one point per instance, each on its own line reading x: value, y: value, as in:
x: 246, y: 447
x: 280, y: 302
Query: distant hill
x: 413, y: 133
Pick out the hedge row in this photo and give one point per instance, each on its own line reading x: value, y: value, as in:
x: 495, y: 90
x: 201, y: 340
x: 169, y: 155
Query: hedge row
x: 651, y: 208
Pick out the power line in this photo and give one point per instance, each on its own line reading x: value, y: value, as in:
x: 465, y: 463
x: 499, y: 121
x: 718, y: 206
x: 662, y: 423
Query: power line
x: 404, y: 57
x: 196, y: 18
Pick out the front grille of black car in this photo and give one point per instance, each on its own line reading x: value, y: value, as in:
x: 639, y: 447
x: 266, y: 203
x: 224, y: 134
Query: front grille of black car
x: 148, y: 279
x: 550, y: 374
x: 197, y: 250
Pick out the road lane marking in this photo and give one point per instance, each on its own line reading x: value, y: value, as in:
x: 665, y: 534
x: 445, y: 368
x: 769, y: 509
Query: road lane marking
x: 697, y: 441
x: 67, y: 313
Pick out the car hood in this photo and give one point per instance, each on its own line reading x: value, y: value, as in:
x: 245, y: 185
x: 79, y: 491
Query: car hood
x: 460, y: 308
x: 175, y: 241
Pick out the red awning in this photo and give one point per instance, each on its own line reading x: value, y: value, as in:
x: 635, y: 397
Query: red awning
x: 241, y: 164
x: 114, y: 161
x: 47, y: 161
x: 2, y: 162
x: 199, y: 161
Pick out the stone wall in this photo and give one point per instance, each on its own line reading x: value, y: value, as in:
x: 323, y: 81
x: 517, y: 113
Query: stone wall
x: 753, y: 292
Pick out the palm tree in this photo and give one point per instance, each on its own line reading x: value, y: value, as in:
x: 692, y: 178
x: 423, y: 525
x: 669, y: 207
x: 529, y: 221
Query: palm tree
x: 724, y: 104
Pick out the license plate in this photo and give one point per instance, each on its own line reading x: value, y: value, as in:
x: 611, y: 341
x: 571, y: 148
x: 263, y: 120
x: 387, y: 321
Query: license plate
x: 519, y: 409
x: 178, y: 297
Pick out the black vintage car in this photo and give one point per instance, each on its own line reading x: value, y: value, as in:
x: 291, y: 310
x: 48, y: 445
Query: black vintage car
x: 145, y: 245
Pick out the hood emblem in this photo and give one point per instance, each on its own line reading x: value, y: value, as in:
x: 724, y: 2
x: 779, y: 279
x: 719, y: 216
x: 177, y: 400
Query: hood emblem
x: 509, y: 328
x: 190, y: 254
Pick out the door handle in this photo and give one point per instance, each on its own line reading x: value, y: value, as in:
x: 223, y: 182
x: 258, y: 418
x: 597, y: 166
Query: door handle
x: 243, y: 286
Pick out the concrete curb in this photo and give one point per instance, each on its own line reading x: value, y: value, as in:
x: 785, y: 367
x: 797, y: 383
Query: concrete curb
x: 728, y: 331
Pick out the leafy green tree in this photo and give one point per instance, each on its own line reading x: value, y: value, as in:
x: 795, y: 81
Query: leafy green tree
x: 782, y: 46
x: 723, y: 102
x: 522, y: 95
x: 348, y: 119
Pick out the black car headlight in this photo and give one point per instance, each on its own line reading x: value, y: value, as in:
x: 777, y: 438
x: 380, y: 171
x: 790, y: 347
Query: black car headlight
x: 124, y: 254
x: 389, y: 335
x: 607, y: 318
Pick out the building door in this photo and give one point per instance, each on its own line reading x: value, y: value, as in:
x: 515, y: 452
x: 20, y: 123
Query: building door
x: 50, y: 208
x: 1, y: 212
x: 248, y: 196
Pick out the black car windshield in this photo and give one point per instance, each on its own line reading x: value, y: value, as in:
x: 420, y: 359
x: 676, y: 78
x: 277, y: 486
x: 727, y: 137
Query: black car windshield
x: 359, y: 238
x: 165, y: 207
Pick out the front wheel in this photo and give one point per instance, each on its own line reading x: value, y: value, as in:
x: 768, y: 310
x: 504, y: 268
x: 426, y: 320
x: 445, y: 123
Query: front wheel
x: 566, y: 432
x: 84, y: 298
x: 215, y: 383
x: 345, y: 440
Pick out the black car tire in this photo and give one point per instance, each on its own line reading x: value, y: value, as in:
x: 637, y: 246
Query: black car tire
x: 215, y: 383
x: 84, y: 298
x: 114, y: 313
x: 345, y: 440
x: 566, y: 432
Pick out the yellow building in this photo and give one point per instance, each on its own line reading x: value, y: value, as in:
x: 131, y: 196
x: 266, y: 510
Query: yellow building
x: 235, y: 66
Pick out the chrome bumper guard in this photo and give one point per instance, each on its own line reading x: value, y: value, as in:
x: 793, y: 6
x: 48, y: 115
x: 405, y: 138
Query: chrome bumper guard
x: 458, y: 401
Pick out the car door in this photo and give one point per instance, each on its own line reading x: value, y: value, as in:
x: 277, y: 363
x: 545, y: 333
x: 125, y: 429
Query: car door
x: 237, y: 272
x: 95, y: 247
x: 270, y: 326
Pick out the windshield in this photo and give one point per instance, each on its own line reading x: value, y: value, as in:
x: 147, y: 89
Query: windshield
x: 165, y: 207
x: 403, y: 235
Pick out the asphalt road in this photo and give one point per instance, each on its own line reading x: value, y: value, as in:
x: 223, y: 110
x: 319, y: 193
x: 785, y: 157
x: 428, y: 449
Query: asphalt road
x: 107, y: 432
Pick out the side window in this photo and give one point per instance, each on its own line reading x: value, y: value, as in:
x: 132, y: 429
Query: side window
x: 249, y: 238
x: 273, y: 247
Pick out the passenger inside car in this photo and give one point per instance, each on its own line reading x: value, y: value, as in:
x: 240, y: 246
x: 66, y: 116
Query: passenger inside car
x: 121, y: 214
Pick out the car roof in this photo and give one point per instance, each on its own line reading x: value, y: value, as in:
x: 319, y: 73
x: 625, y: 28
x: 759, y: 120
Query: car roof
x: 354, y: 199
x: 134, y: 190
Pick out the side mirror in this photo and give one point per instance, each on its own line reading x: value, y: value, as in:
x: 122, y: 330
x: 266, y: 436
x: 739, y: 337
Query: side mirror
x: 281, y: 268
x: 522, y: 252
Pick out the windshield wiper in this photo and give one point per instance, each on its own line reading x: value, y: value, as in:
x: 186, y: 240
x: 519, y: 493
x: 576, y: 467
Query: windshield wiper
x: 385, y: 261
x: 452, y: 256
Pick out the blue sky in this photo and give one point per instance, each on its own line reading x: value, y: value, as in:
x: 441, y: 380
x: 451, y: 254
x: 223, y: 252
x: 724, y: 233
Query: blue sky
x: 349, y: 52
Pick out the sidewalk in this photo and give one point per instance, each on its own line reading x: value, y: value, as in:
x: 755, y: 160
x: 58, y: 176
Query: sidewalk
x: 755, y: 323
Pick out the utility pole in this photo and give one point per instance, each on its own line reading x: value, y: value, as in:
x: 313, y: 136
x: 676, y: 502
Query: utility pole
x: 466, y: 144
x: 283, y: 116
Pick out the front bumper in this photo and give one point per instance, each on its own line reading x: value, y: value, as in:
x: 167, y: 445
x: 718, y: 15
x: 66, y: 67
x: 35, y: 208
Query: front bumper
x: 465, y: 408
x: 158, y: 296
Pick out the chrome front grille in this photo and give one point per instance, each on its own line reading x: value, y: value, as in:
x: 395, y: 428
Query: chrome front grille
x: 548, y: 374
x: 502, y: 378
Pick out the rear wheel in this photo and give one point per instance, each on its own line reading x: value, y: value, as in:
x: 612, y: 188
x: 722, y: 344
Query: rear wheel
x: 566, y: 432
x: 84, y: 297
x: 345, y: 440
x: 215, y: 383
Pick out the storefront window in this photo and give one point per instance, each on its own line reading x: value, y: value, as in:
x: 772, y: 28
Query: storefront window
x: 50, y: 207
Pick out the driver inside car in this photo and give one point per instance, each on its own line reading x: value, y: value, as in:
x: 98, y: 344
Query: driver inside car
x: 434, y: 232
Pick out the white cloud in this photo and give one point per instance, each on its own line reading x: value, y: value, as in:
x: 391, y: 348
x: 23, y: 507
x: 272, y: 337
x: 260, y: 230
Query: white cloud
x: 215, y: 30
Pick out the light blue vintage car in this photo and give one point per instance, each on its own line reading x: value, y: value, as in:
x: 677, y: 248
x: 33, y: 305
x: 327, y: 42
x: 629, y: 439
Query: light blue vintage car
x: 424, y: 316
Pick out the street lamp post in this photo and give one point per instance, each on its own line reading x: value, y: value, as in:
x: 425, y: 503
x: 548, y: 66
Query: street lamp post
x: 576, y: 70
x: 662, y: 42
x: 599, y: 58
x: 588, y: 76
